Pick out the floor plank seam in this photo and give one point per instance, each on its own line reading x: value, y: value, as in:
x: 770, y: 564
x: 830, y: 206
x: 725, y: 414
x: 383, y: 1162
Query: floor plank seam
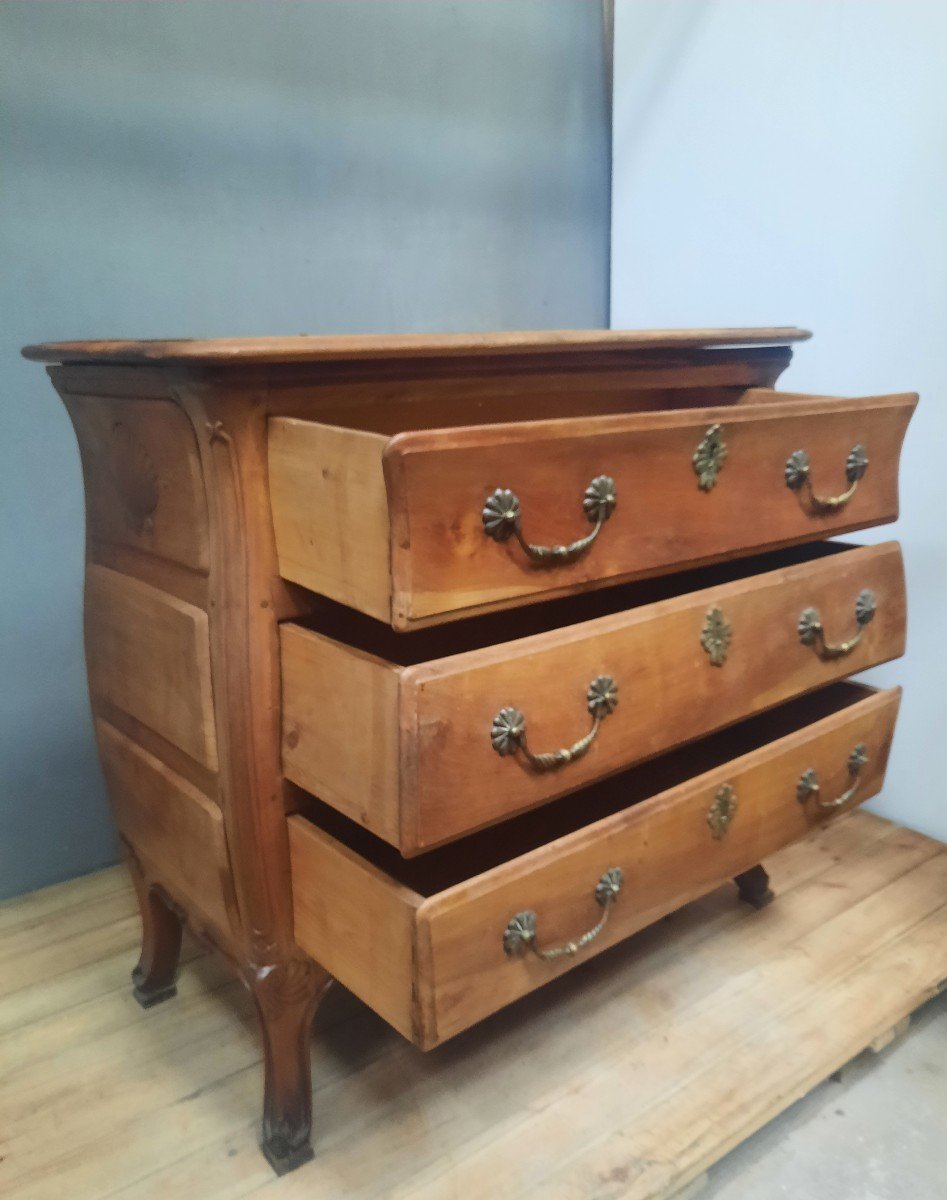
x: 860, y: 944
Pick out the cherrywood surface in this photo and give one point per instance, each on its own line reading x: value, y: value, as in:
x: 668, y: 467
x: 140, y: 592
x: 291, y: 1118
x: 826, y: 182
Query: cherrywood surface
x: 442, y: 561
x: 338, y: 535
x: 637, y: 1072
x: 173, y: 826
x: 341, y: 737
x: 143, y: 483
x: 460, y: 972
x: 303, y: 348
x: 665, y: 848
x: 332, y: 524
x: 390, y: 397
x: 406, y: 751
x: 245, y: 599
x: 184, y: 664
x: 183, y: 628
x: 359, y: 923
x: 148, y: 653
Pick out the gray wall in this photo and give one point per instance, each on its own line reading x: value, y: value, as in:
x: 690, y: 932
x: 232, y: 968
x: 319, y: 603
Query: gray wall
x: 210, y: 169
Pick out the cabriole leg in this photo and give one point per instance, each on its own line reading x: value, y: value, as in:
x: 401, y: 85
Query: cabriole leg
x: 753, y: 887
x: 161, y: 929
x: 287, y: 996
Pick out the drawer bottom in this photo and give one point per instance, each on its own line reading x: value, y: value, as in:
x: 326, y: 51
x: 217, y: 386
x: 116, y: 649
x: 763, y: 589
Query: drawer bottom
x: 436, y: 943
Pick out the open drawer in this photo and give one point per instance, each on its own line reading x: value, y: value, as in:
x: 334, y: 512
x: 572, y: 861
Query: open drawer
x: 428, y: 525
x: 423, y: 738
x: 436, y: 943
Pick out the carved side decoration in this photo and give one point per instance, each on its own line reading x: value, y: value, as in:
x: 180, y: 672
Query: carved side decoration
x: 244, y: 587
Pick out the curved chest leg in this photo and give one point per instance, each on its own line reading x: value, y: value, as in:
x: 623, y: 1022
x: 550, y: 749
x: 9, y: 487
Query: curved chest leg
x: 286, y: 999
x: 753, y: 887
x: 153, y: 978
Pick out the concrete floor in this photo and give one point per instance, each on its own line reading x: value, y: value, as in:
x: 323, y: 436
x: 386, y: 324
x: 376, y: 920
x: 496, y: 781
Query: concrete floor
x: 880, y: 1133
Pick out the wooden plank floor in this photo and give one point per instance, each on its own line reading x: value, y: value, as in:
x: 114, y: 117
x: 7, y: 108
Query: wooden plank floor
x: 625, y: 1079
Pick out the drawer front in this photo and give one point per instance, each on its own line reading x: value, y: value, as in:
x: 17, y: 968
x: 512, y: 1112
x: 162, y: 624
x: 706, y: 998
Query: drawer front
x: 688, y: 487
x: 437, y: 956
x: 670, y: 850
x: 426, y: 754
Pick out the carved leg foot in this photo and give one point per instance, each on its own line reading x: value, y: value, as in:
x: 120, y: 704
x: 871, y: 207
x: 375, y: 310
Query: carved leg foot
x: 287, y: 996
x: 153, y: 978
x: 753, y: 887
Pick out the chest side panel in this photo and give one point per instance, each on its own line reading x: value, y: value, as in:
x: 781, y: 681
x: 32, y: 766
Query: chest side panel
x: 144, y: 490
x: 147, y: 631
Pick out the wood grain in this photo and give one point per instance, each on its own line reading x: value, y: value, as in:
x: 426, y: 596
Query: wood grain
x: 172, y: 826
x: 185, y: 600
x: 340, y: 728
x: 400, y: 346
x: 330, y: 512
x: 443, y: 563
x: 664, y: 846
x: 246, y: 597
x: 148, y: 654
x: 337, y: 535
x: 356, y: 922
x: 142, y: 473
x: 744, y: 1011
x: 406, y: 752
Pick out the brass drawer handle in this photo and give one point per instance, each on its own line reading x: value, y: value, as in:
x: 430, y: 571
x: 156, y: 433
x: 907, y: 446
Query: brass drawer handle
x: 808, y: 784
x: 501, y: 521
x: 798, y: 470
x: 520, y: 934
x: 508, y: 732
x: 811, y: 632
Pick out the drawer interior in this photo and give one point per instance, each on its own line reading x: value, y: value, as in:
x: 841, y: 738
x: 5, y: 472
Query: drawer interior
x: 442, y: 868
x: 514, y: 399
x: 408, y: 648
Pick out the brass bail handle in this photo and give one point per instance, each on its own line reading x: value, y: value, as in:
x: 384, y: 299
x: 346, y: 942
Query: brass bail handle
x: 508, y: 731
x: 798, y: 476
x: 812, y: 633
x: 521, y: 933
x: 808, y: 785
x: 501, y: 521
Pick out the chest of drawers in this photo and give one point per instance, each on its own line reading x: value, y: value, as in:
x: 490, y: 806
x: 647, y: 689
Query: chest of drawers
x: 436, y: 665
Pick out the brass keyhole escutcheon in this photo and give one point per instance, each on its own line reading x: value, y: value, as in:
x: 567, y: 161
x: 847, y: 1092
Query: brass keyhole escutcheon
x: 722, y: 811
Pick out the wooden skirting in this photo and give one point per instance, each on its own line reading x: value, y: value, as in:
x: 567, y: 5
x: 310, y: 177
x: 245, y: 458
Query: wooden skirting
x: 625, y: 1079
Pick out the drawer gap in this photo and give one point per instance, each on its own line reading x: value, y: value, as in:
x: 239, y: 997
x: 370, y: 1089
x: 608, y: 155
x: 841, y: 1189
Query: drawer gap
x: 448, y: 865
x: 475, y: 633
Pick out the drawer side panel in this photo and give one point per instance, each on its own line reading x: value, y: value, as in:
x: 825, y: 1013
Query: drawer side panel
x: 340, y: 727
x: 355, y: 922
x: 330, y: 512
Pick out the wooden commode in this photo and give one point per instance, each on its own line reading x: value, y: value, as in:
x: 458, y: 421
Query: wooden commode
x: 438, y: 664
